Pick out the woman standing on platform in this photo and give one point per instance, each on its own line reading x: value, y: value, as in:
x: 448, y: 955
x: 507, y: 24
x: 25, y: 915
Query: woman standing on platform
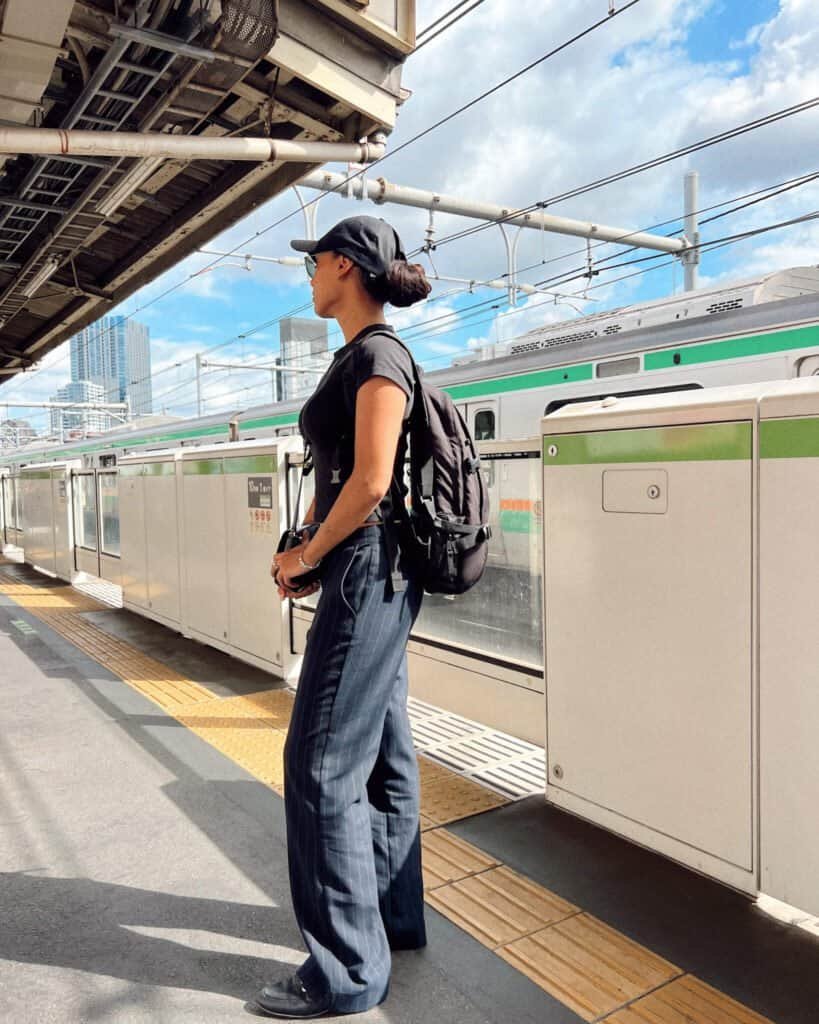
x: 351, y: 776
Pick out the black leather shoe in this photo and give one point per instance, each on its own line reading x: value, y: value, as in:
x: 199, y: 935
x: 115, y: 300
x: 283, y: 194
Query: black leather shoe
x: 290, y: 1000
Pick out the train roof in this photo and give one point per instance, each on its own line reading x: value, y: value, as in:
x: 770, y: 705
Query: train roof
x: 704, y: 302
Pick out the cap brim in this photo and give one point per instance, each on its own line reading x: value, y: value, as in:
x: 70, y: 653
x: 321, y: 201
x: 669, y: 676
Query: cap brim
x: 304, y: 244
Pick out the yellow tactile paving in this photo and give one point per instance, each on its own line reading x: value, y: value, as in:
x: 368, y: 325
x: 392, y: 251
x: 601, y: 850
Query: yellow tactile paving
x: 498, y: 906
x: 54, y: 595
x: 590, y: 967
x: 448, y: 858
x: 247, y: 741
x: 686, y: 1001
x: 272, y: 706
x: 446, y: 797
x: 594, y: 970
x: 156, y: 681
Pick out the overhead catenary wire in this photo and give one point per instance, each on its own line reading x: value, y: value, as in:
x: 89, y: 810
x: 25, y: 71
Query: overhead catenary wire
x: 414, y: 334
x: 415, y: 138
x: 772, y: 190
x: 424, y: 36
x: 694, y: 147
x: 534, y: 303
x: 566, y: 277
x: 758, y: 195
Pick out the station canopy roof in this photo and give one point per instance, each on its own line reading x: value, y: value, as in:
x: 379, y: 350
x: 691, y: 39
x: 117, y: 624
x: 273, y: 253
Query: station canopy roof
x: 289, y: 69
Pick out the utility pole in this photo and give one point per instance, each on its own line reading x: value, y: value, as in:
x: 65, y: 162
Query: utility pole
x: 691, y: 228
x: 198, y: 385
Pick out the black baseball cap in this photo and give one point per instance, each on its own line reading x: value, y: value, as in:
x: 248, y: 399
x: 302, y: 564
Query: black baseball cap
x: 371, y: 243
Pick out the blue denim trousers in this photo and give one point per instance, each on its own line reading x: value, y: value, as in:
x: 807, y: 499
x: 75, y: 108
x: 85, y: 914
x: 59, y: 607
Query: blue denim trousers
x: 351, y: 780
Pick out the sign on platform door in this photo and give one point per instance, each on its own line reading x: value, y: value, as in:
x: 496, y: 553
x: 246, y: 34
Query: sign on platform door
x: 260, y: 503
x: 260, y: 492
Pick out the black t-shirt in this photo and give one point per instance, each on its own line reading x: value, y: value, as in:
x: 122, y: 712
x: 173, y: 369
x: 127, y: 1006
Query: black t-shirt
x: 327, y: 418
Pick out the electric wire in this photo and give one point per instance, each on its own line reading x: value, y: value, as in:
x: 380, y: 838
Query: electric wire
x: 710, y: 245
x: 424, y: 37
x: 415, y: 138
x: 566, y: 277
x: 695, y: 147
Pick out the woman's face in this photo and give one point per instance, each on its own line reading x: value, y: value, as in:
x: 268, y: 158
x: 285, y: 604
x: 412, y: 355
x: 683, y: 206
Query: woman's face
x: 329, y: 282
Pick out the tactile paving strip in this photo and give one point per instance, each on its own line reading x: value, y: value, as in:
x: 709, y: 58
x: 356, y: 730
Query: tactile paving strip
x: 446, y: 797
x: 447, y: 859
x: 250, y: 730
x: 151, y: 678
x: 588, y: 966
x: 499, y: 906
x: 686, y: 1001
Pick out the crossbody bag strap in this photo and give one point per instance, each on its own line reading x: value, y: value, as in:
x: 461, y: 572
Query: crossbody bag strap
x: 306, y: 469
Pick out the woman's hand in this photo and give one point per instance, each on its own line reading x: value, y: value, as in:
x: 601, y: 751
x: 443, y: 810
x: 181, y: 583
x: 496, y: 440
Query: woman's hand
x: 283, y: 570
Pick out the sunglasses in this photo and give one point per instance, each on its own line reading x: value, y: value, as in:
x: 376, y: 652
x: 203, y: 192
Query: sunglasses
x: 310, y: 266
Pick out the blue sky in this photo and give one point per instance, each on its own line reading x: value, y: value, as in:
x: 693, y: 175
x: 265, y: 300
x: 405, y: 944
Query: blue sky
x: 665, y: 74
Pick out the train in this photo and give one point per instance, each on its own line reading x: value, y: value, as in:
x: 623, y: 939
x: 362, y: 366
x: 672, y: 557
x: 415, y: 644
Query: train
x: 760, y: 329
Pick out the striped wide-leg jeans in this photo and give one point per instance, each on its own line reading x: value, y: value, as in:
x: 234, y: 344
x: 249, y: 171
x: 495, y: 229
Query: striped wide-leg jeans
x: 351, y: 780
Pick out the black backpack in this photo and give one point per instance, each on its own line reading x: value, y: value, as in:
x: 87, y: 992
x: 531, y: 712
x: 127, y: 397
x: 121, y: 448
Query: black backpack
x: 448, y: 521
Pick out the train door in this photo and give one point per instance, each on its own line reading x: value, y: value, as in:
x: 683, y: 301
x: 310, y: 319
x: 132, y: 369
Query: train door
x: 86, y: 521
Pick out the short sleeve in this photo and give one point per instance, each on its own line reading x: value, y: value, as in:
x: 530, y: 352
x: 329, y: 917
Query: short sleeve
x: 381, y: 356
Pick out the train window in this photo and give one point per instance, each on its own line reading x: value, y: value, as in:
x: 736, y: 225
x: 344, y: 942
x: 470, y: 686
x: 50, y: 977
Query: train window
x: 560, y: 402
x: 8, y: 502
x: 109, y: 507
x: 85, y: 512
x: 485, y: 425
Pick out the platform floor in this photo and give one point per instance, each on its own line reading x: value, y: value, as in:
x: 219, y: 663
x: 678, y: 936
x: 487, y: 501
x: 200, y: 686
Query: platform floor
x: 143, y: 866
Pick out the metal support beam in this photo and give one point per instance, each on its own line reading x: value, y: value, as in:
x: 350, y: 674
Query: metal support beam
x: 161, y: 41
x: 48, y: 141
x: 30, y: 204
x: 65, y: 405
x: 382, y: 191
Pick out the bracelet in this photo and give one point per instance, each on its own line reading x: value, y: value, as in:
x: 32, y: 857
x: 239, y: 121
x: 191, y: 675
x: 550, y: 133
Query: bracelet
x: 306, y: 565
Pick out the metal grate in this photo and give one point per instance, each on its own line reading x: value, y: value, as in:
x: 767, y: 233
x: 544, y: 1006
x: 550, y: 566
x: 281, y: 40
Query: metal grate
x: 102, y: 590
x: 561, y: 339
x: 503, y: 763
x: 725, y: 305
x: 249, y: 27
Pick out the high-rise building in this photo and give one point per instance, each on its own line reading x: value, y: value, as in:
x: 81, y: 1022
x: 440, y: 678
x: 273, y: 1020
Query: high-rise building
x: 85, y: 420
x: 303, y: 345
x: 115, y: 352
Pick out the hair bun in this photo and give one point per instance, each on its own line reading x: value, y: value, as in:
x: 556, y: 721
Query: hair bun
x: 406, y: 283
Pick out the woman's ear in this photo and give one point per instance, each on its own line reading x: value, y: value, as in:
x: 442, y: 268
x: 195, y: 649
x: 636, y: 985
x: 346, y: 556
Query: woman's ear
x: 345, y: 266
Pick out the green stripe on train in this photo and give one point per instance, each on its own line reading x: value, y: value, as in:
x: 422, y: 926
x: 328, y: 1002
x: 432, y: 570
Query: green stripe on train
x: 796, y: 438
x: 522, y: 381
x: 732, y: 348
x: 697, y: 443
x: 687, y: 355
